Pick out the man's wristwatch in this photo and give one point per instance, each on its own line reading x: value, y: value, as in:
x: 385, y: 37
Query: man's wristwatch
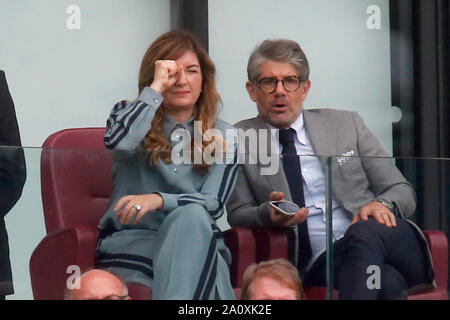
x: 388, y: 204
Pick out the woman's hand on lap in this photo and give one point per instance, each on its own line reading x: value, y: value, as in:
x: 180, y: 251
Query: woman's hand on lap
x: 127, y: 207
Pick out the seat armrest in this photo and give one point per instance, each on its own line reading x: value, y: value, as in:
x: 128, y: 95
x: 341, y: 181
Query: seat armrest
x: 54, y: 254
x: 438, y: 244
x: 271, y: 244
x: 138, y: 291
x: 241, y: 243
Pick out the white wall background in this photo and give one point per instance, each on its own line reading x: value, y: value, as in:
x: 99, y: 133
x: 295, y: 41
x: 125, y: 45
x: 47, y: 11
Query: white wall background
x: 61, y: 78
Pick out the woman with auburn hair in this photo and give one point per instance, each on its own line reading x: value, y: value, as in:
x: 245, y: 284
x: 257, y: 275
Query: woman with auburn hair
x: 160, y: 227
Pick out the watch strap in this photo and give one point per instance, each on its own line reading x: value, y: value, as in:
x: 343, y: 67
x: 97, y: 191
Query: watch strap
x: 388, y: 204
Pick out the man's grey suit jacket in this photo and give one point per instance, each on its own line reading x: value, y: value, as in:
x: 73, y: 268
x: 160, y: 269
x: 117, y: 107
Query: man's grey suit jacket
x: 357, y: 177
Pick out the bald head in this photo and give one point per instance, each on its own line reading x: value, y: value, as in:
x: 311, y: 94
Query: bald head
x: 97, y: 285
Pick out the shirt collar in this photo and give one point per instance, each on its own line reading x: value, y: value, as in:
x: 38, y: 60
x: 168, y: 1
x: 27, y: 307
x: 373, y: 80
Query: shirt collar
x: 170, y: 125
x: 299, y: 126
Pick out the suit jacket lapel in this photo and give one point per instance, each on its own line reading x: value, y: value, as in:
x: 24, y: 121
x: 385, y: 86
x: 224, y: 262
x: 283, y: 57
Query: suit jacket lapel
x: 277, y: 181
x: 320, y: 135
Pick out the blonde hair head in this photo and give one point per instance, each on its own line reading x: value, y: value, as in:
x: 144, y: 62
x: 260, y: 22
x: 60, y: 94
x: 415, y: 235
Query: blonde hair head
x: 280, y: 270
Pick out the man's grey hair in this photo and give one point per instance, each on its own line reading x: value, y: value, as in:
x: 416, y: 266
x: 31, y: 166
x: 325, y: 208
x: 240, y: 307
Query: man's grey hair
x: 279, y: 50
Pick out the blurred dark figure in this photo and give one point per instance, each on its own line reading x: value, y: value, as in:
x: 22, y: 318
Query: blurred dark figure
x: 12, y: 178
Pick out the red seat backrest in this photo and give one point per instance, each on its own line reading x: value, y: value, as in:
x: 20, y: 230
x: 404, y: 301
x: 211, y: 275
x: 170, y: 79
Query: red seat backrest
x: 76, y: 178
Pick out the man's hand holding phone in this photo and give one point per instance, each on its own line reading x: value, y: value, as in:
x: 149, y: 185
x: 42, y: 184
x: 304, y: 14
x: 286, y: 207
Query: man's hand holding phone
x: 281, y: 219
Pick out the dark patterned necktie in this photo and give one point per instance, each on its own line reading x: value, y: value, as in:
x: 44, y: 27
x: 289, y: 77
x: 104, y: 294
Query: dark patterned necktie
x: 293, y: 172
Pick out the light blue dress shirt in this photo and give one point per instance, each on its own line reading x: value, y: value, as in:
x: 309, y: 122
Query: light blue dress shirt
x: 314, y: 191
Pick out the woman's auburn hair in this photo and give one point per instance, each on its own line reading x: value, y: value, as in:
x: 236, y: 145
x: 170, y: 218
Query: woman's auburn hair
x: 170, y: 46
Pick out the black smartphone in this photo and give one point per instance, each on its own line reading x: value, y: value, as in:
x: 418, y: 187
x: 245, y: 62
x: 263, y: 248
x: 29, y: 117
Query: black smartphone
x: 285, y: 207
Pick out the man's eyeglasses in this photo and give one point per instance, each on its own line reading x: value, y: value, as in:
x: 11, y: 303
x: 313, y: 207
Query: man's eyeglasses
x: 268, y: 85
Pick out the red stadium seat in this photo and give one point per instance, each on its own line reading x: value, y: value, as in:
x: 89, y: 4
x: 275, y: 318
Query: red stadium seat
x: 76, y: 184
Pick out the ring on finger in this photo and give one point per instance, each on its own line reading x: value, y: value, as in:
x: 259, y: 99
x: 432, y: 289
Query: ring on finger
x: 137, y: 207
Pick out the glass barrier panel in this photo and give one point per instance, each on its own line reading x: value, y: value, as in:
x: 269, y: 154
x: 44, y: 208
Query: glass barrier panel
x: 59, y: 197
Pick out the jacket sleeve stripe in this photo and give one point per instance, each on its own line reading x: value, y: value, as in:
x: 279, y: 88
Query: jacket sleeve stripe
x: 112, y: 141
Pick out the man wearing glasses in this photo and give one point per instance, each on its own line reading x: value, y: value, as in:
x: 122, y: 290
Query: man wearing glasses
x: 370, y: 198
